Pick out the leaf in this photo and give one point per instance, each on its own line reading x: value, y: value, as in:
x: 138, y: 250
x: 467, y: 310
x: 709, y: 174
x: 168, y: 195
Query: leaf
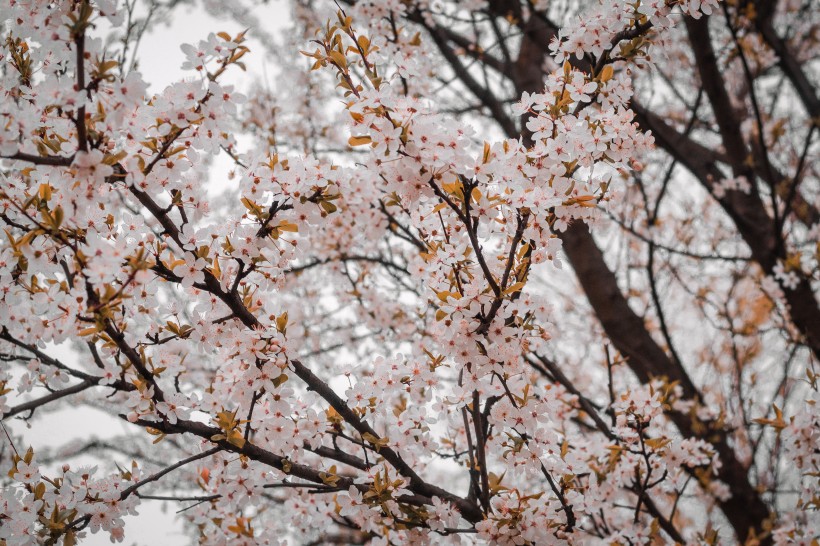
x: 453, y: 188
x: 105, y: 66
x: 282, y: 322
x: 252, y: 206
x: 328, y: 207
x: 476, y: 195
x: 516, y: 287
x: 236, y: 438
x: 339, y: 58
x: 378, y: 442
x: 778, y: 422
x: 495, y: 482
x: 242, y: 527
x: 364, y: 43
x: 359, y: 140
x: 44, y: 192
x: 658, y: 443
x: 287, y: 226
x: 113, y: 159
x: 59, y: 216
x: 277, y: 381
x: 330, y: 478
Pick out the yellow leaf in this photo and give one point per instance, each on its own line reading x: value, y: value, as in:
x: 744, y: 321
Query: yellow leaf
x: 287, y: 226
x: 778, y: 422
x: 277, y: 381
x: 58, y: 216
x: 378, y: 442
x: 330, y: 478
x: 364, y: 43
x: 113, y: 159
x: 215, y: 269
x: 454, y: 188
x: 282, y: 322
x: 44, y: 192
x: 514, y: 288
x: 252, y: 206
x: 236, y: 438
x: 107, y: 65
x: 658, y: 443
x: 338, y: 58
x: 359, y: 140
x: 328, y: 207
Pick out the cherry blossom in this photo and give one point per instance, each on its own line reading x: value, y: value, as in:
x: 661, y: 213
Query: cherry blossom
x: 481, y: 273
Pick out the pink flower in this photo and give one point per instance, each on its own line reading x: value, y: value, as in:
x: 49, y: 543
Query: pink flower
x: 90, y: 167
x: 27, y: 472
x: 191, y: 270
x: 172, y: 408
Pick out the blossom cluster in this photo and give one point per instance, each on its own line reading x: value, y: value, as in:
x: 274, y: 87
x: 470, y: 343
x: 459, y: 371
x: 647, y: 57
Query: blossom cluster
x: 351, y: 344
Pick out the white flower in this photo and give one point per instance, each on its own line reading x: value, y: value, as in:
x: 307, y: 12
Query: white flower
x: 172, y: 408
x: 191, y: 271
x: 90, y: 166
x: 27, y: 472
x: 787, y: 277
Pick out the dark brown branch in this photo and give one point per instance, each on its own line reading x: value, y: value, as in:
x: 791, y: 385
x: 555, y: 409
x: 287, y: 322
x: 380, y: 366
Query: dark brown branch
x: 47, y: 160
x: 564, y: 381
x: 791, y: 67
x: 50, y: 361
x: 32, y: 405
x: 79, y: 46
x: 167, y: 470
